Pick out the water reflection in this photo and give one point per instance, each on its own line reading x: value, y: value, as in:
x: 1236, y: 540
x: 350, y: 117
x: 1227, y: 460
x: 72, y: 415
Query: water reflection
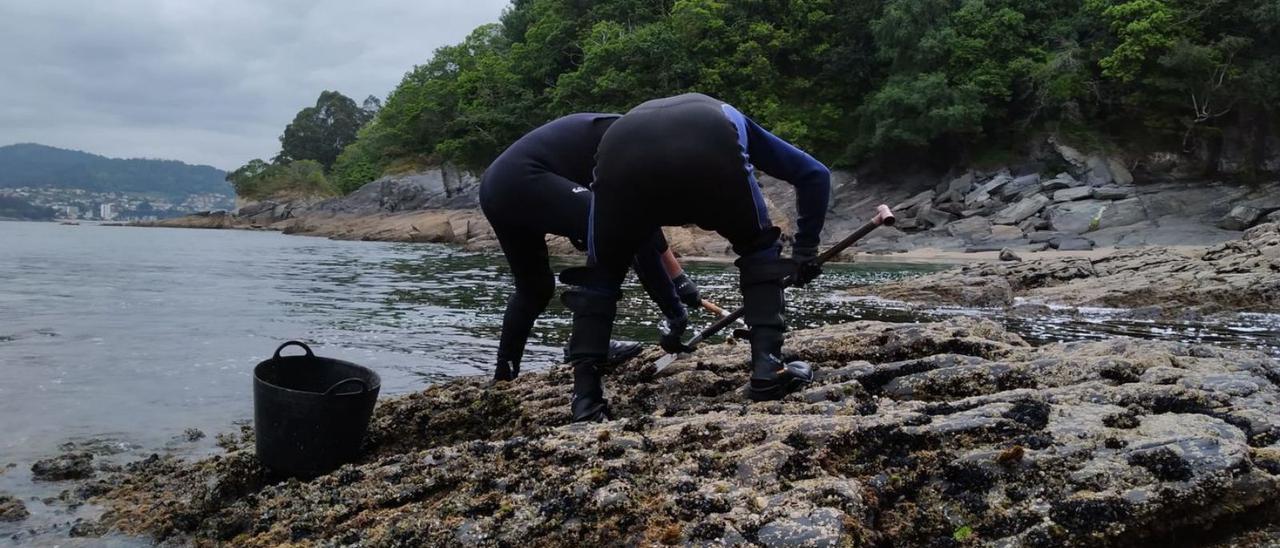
x: 447, y: 304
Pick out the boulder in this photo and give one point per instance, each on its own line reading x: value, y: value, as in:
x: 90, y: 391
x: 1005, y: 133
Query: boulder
x: 971, y: 229
x: 1273, y: 217
x: 954, y: 208
x: 1020, y: 186
x: 1111, y: 193
x: 929, y: 217
x: 1071, y: 243
x: 12, y: 509
x: 1072, y: 194
x: 1123, y: 213
x: 1099, y: 172
x: 1119, y: 173
x: 1240, y: 217
x: 1210, y: 200
x: 1021, y: 210
x: 1054, y: 185
x: 984, y: 191
x: 1059, y: 182
x: 914, y: 201
x: 1005, y: 233
x: 64, y: 467
x: 1070, y: 154
x: 1043, y: 236
x: 1007, y: 254
x: 1084, y: 216
x: 961, y: 185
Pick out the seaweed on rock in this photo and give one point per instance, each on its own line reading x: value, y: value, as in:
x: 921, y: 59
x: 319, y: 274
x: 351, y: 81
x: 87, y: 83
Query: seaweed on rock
x: 909, y: 437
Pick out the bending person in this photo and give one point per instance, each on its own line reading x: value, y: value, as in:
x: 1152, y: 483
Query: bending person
x: 705, y: 152
x: 538, y: 186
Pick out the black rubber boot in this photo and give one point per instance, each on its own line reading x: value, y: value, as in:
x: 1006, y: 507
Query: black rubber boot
x: 589, y: 346
x: 619, y: 351
x: 506, y: 370
x: 588, y: 403
x: 770, y: 378
x: 761, y: 282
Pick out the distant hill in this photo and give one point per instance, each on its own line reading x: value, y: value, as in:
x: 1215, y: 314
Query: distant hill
x: 32, y: 165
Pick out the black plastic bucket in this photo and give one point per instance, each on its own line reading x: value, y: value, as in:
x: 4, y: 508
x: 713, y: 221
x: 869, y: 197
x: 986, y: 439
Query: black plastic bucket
x: 310, y: 414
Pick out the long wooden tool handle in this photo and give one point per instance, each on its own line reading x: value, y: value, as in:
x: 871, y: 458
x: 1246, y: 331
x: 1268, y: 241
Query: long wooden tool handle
x: 884, y: 216
x: 714, y: 308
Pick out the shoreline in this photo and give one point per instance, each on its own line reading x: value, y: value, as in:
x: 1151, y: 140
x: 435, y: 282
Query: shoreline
x: 1178, y: 281
x: 468, y: 229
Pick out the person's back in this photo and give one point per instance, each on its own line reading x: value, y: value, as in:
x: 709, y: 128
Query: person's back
x: 565, y: 146
x: 690, y: 159
x: 539, y: 186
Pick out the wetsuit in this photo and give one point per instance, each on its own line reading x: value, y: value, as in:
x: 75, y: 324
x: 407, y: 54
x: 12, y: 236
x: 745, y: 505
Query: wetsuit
x: 539, y: 186
x: 690, y: 159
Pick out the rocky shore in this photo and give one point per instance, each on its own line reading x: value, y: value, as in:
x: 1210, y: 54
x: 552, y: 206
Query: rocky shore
x: 1240, y: 275
x: 1060, y: 200
x: 945, y: 434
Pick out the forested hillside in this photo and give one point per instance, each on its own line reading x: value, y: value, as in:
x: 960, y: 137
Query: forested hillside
x: 32, y: 165
x: 852, y: 80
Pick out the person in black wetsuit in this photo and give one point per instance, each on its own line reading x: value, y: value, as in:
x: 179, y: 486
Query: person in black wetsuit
x: 538, y: 186
x: 690, y: 159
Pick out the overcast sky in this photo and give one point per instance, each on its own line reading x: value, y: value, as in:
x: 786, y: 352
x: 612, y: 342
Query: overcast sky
x: 204, y: 81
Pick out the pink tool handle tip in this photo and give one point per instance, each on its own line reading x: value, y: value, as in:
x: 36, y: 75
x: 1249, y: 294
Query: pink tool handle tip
x: 884, y: 216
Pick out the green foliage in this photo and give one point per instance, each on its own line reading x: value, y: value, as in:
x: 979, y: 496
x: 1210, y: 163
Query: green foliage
x: 1143, y: 28
x: 849, y: 80
x: 258, y: 180
x: 13, y: 207
x: 320, y: 132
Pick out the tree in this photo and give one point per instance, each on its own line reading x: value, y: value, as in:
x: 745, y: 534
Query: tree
x: 244, y: 177
x: 848, y: 80
x: 321, y: 132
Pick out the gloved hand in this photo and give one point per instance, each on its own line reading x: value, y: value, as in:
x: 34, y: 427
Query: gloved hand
x: 807, y: 267
x: 672, y: 340
x: 687, y: 291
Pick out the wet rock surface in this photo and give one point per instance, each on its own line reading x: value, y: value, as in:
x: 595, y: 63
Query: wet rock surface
x: 76, y: 465
x: 12, y: 509
x: 1241, y: 275
x: 913, y: 434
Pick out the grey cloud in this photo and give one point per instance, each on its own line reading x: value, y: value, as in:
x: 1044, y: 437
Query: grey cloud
x: 203, y: 81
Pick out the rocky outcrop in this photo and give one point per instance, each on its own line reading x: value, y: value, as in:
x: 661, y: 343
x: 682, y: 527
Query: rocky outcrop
x: 442, y: 188
x: 76, y: 465
x: 989, y: 210
x: 1099, y: 196
x: 12, y: 509
x: 912, y: 435
x: 1241, y: 275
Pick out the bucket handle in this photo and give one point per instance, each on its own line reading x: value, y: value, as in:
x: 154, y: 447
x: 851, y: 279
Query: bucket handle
x: 295, y: 343
x: 364, y: 386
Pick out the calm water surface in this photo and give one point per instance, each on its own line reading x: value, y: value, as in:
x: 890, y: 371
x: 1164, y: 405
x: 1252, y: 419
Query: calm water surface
x: 119, y: 339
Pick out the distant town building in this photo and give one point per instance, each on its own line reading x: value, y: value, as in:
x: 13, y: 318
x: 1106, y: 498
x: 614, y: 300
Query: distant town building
x: 105, y: 211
